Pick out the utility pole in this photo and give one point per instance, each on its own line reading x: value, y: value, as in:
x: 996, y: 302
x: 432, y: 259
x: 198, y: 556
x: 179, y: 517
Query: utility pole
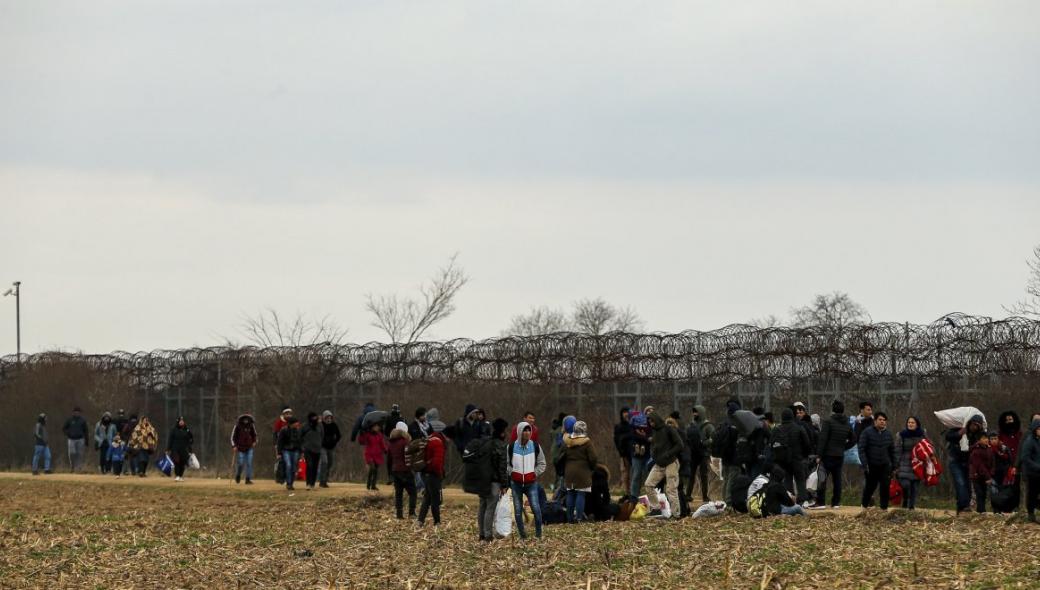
x: 16, y: 291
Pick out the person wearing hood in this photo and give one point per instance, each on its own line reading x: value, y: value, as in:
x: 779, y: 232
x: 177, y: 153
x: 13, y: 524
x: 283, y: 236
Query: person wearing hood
x: 467, y: 427
x: 75, y: 430
x: 116, y: 455
x: 330, y: 437
x: 664, y: 449
x: 41, y: 448
x: 376, y: 448
x: 909, y: 437
x: 243, y: 441
x: 404, y: 481
x: 433, y: 474
x: 580, y: 461
x: 525, y: 463
x: 960, y: 457
x: 1009, y: 432
x: 143, y: 443
x: 879, y: 458
x: 178, y: 447
x: 493, y: 478
x: 104, y: 432
x: 120, y: 421
x: 802, y: 418
x: 280, y: 423
x: 623, y: 445
x: 790, y: 446
x: 640, y: 457
x: 360, y: 422
x: 700, y: 418
x: 313, y: 436
x: 836, y: 436
x: 1029, y: 460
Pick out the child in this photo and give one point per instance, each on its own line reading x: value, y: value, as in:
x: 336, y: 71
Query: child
x: 981, y: 467
x: 1003, y: 477
x: 116, y: 452
x: 375, y: 450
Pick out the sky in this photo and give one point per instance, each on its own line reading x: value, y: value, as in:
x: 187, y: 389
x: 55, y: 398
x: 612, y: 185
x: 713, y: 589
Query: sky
x: 167, y: 169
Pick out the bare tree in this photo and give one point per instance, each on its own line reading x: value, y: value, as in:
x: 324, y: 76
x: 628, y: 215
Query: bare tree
x: 406, y: 319
x: 769, y: 321
x: 540, y: 320
x: 835, y: 311
x: 596, y: 316
x: 1030, y: 306
x: 268, y: 328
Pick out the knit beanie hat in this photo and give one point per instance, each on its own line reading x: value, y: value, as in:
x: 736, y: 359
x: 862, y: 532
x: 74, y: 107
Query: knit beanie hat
x: 498, y: 427
x: 580, y: 429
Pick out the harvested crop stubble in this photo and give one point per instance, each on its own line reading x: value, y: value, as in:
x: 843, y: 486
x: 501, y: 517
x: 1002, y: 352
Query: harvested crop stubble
x: 66, y: 534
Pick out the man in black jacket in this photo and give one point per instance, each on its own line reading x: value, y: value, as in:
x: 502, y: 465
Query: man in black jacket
x: 790, y: 445
x: 836, y: 437
x: 623, y: 445
x: 664, y: 448
x: 725, y: 447
x: 330, y: 438
x: 75, y: 430
x: 878, y: 457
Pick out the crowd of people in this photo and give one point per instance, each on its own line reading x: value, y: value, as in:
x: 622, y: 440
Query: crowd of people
x: 765, y: 468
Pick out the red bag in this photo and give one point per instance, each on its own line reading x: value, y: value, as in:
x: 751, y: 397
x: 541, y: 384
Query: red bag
x: 895, y: 493
x: 925, y: 464
x: 301, y: 469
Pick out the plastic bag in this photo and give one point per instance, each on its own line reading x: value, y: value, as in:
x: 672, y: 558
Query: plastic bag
x: 165, y: 465
x: 895, y: 492
x: 193, y: 462
x: 639, y: 512
x: 504, y: 516
x: 813, y: 481
x: 666, y: 508
x: 959, y: 417
x: 710, y: 509
x: 852, y: 456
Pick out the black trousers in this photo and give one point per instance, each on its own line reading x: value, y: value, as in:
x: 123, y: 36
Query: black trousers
x: 432, y: 499
x: 877, y: 475
x: 404, y: 482
x: 981, y: 488
x: 313, y: 460
x: 1032, y: 494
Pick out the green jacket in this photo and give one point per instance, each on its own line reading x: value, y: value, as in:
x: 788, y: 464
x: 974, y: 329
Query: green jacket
x: 667, y: 443
x: 707, y: 428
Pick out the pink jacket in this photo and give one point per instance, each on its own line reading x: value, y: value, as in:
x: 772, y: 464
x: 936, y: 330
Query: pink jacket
x: 375, y: 447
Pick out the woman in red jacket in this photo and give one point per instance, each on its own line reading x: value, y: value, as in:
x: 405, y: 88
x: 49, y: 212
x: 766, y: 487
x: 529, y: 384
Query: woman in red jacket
x: 432, y: 477
x: 375, y: 449
x: 403, y: 478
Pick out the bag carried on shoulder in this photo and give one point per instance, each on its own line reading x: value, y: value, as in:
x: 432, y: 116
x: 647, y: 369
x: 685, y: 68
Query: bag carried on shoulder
x: 415, y: 455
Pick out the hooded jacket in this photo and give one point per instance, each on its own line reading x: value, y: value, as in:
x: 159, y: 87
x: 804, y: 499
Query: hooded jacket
x: 375, y: 445
x: 666, y: 444
x: 75, y: 428
x: 399, y: 440
x: 776, y: 494
x: 180, y: 441
x: 360, y: 422
x: 313, y: 435
x: 793, y: 435
x: 877, y: 447
x: 1029, y: 452
x: 580, y: 462
x: 707, y: 428
x: 836, y: 436
x: 104, y: 431
x: 623, y: 436
x: 907, y: 440
x: 331, y: 435
x: 526, y: 462
x: 1010, y: 434
x: 243, y: 436
x: 467, y: 428
x: 953, y: 439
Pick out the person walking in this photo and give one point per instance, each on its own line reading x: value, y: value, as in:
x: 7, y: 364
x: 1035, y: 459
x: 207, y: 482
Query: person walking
x: 664, y: 448
x: 700, y: 418
x: 116, y: 455
x: 498, y: 456
x: 623, y: 446
x: 1029, y: 460
x: 75, y: 430
x: 330, y: 438
x: 359, y: 429
x: 104, y: 432
x: 958, y: 444
x: 143, y: 442
x: 878, y: 458
x: 290, y: 445
x: 580, y: 461
x: 525, y: 463
x: 313, y: 437
x: 836, y: 436
x: 909, y: 437
x: 243, y: 441
x: 178, y: 446
x: 433, y: 475
x: 404, y: 481
x: 376, y: 448
x: 41, y: 448
x: 280, y: 423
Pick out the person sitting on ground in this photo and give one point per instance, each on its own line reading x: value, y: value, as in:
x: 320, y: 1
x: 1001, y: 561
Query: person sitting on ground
x: 982, y: 465
x: 580, y: 461
x: 116, y: 455
x: 878, y: 458
x: 778, y: 501
x: 375, y: 449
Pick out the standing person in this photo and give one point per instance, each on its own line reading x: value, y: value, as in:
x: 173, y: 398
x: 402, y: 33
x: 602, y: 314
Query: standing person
x: 1009, y: 427
x: 75, y: 430
x: 127, y: 434
x: 1029, y: 459
x: 104, y: 432
x: 700, y: 418
x: 525, y: 463
x: 664, y: 448
x: 499, y: 479
x: 685, y: 460
x: 982, y: 464
x: 330, y: 438
x: 725, y: 448
x: 290, y: 444
x: 243, y: 441
x: 389, y: 423
x: 41, y: 448
x: 912, y: 434
x: 280, y: 423
x: 433, y: 475
x: 580, y: 460
x: 116, y: 455
x: 467, y: 427
x: 529, y: 418
x: 556, y: 453
x: 312, y: 438
x: 120, y: 420
x: 865, y: 418
x: 836, y: 436
x: 403, y: 479
x: 375, y: 450
x: 790, y: 445
x: 178, y: 447
x: 623, y: 446
x: 803, y: 419
x: 420, y: 427
x: 960, y: 458
x: 143, y: 443
x: 360, y: 422
x: 640, y: 457
x: 878, y: 457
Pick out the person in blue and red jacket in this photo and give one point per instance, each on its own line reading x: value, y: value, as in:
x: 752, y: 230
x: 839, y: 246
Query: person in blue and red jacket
x: 525, y: 463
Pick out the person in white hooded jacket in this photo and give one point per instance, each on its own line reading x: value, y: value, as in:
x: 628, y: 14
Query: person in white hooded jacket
x: 525, y: 463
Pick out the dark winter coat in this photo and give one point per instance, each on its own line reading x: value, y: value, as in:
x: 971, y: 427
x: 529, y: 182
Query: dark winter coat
x: 179, y: 442
x: 706, y: 427
x: 982, y: 464
x: 666, y: 444
x: 467, y: 428
x: 776, y: 496
x: 836, y: 436
x: 623, y: 438
x: 1010, y: 434
x: 330, y: 435
x: 359, y: 423
x: 792, y: 434
x: 580, y: 459
x: 290, y: 439
x: 75, y: 428
x: 878, y: 448
x: 597, y: 502
x: 1029, y: 452
x: 313, y: 435
x: 906, y: 449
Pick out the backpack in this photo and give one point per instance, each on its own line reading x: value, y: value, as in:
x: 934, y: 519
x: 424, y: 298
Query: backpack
x: 415, y: 455
x: 476, y: 463
x: 779, y: 447
x: 694, y: 443
x: 756, y: 503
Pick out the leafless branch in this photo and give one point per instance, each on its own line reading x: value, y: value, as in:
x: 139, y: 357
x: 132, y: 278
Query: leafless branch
x: 538, y: 321
x: 1030, y: 306
x: 406, y: 319
x: 836, y: 311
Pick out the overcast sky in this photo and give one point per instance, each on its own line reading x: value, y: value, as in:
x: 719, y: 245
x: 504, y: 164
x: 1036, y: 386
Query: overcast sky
x: 167, y: 167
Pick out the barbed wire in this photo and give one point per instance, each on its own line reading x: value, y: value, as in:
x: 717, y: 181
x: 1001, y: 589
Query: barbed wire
x: 955, y: 345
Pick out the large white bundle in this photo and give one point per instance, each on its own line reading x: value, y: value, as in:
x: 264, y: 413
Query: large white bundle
x: 813, y: 481
x: 958, y: 417
x: 504, y: 516
x: 710, y: 509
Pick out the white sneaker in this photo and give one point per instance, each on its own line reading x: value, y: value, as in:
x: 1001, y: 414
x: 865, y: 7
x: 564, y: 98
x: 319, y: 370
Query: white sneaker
x: 179, y: 478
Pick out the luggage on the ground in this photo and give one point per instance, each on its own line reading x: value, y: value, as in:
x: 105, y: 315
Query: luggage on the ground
x: 710, y: 509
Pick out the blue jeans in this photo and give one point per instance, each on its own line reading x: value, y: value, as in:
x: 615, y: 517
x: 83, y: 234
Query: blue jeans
x: 292, y: 461
x: 795, y: 510
x: 639, y: 473
x: 531, y: 491
x: 575, y: 506
x: 44, y: 452
x: 961, y: 484
x: 245, y: 463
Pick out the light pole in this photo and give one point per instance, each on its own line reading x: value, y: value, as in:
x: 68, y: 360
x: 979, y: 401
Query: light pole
x: 16, y: 291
